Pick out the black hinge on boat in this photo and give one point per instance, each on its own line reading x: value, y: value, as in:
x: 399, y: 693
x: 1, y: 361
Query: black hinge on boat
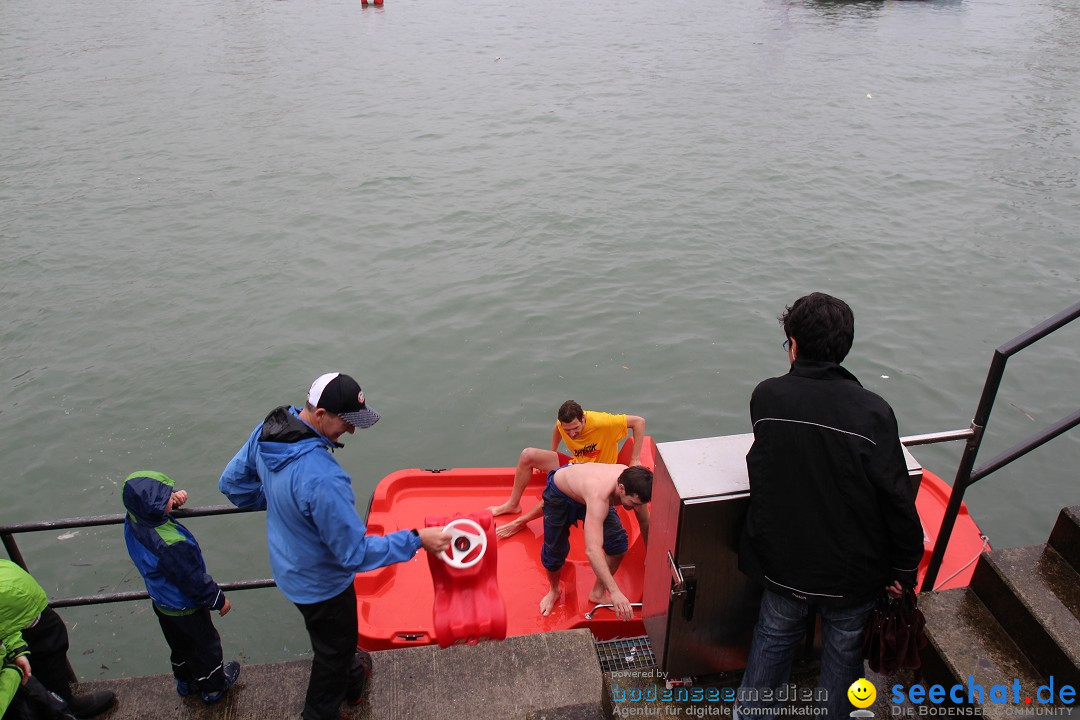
x: 436, y: 470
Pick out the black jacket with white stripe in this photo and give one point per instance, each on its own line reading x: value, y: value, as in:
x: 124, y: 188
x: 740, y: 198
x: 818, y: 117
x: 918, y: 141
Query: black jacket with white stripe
x: 832, y: 516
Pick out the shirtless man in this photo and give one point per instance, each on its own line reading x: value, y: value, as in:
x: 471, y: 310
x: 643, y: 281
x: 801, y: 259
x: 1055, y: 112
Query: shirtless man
x: 590, y: 436
x: 588, y: 492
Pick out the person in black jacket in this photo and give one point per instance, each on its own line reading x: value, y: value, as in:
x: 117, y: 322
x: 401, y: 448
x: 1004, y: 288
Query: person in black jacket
x: 832, y: 518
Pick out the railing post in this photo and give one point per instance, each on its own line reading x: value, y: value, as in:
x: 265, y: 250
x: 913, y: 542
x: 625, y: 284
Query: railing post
x: 13, y: 551
x: 967, y: 462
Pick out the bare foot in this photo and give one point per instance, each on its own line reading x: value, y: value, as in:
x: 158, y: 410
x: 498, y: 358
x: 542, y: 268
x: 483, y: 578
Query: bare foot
x: 548, y: 601
x: 511, y: 528
x: 599, y: 595
x: 505, y: 509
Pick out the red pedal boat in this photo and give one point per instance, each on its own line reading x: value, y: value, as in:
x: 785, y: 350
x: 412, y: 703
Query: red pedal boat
x: 394, y: 604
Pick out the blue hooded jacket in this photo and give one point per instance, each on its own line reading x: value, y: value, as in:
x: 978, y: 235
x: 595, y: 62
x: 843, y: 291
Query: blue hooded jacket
x: 164, y: 551
x: 317, y: 541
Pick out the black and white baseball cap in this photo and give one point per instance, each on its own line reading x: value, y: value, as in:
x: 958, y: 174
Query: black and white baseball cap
x: 340, y: 394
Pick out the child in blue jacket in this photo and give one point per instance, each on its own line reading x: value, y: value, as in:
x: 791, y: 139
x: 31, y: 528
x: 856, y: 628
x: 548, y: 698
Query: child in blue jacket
x: 183, y: 594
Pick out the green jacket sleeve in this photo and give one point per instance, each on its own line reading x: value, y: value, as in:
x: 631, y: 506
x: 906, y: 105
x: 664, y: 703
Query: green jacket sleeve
x: 21, y: 600
x: 10, y: 677
x: 12, y: 647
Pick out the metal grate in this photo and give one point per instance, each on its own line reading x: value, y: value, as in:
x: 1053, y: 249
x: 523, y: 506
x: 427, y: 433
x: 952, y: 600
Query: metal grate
x: 625, y: 654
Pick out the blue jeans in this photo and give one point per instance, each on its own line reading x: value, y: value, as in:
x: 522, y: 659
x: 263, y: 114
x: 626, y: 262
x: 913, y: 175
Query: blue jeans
x: 780, y: 628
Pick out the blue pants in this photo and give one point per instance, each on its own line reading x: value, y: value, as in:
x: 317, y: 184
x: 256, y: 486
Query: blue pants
x: 560, y: 513
x: 780, y: 628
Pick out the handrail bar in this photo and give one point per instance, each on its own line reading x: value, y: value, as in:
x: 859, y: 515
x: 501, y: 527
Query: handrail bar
x: 8, y: 532
x: 1040, y: 331
x: 115, y: 519
x: 105, y: 598
x: 930, y: 438
x: 964, y: 475
x: 1017, y: 451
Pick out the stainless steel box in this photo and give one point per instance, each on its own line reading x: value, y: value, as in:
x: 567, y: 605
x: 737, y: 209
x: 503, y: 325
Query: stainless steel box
x: 700, y: 495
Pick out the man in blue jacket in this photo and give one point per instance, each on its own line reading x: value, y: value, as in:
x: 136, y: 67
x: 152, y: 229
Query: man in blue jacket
x: 317, y: 541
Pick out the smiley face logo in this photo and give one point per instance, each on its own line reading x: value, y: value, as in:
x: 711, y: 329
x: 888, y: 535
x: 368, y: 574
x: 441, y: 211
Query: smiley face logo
x: 862, y: 693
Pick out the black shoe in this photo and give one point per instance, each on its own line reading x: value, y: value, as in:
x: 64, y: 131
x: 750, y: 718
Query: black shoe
x: 355, y: 695
x: 92, y: 704
x: 359, y: 675
x: 232, y: 671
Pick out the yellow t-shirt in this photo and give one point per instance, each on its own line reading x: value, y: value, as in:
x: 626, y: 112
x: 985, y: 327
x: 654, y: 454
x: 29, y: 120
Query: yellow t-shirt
x: 599, y: 441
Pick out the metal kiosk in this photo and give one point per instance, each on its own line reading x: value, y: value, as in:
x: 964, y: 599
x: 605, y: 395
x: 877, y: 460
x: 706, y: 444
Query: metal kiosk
x: 698, y: 609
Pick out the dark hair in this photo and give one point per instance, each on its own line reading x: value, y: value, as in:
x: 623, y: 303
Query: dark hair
x: 822, y: 325
x: 637, y: 480
x: 570, y: 411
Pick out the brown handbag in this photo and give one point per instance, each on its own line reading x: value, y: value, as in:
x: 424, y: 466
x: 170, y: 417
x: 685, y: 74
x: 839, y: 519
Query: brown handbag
x: 895, y: 634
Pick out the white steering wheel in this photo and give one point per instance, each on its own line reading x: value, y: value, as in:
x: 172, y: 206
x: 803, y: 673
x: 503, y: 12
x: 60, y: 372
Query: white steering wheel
x: 463, y: 543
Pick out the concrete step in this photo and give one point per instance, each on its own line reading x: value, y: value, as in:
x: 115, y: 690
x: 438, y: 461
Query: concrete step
x: 1065, y: 537
x: 965, y: 640
x: 1034, y: 594
x: 273, y: 691
x: 555, y: 672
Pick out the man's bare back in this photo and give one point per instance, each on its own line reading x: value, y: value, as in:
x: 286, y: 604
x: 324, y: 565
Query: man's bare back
x: 589, y: 482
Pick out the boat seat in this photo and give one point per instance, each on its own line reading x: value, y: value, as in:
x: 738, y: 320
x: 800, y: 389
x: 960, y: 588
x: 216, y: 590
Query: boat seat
x: 469, y: 606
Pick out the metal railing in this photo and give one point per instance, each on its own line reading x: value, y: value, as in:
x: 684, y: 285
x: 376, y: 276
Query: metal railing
x: 965, y: 476
x: 8, y: 533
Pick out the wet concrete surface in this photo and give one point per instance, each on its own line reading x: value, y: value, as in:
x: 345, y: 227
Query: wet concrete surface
x: 554, y: 672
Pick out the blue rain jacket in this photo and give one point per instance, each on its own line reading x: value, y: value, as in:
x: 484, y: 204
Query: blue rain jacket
x: 317, y: 541
x: 164, y: 551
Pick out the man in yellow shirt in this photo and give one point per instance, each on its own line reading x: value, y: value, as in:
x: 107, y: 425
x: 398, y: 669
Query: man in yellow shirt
x: 590, y: 436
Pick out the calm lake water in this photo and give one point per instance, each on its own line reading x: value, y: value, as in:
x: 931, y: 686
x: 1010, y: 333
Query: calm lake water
x: 482, y: 209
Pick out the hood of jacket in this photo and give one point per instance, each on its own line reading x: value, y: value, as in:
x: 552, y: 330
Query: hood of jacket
x: 146, y: 496
x: 285, y: 437
x: 21, y: 600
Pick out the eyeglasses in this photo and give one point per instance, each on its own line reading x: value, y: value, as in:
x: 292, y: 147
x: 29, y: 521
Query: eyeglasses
x: 786, y: 345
